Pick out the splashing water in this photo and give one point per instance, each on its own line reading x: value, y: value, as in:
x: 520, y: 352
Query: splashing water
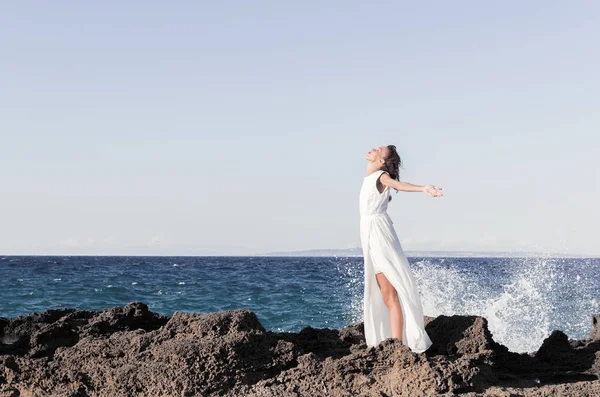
x: 523, y: 299
x: 517, y: 311
x: 519, y: 317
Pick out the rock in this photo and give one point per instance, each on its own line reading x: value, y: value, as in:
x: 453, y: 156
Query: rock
x: 459, y: 335
x: 595, y: 334
x: 554, y: 347
x: 39, y: 335
x: 133, y: 351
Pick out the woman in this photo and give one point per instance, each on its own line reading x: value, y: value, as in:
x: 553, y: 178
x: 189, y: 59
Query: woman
x: 392, y: 305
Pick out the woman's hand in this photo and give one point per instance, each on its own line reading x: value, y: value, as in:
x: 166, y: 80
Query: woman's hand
x: 432, y: 190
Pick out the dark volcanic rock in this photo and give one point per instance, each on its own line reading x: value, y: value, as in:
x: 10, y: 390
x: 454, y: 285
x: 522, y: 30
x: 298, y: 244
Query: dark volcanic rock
x: 595, y: 334
x: 459, y: 335
x: 131, y: 351
x: 554, y: 347
x: 39, y: 335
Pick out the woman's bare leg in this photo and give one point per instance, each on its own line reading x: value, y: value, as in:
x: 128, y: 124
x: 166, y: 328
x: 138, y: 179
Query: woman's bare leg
x: 390, y: 297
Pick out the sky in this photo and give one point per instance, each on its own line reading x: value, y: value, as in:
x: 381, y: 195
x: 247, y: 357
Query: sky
x: 239, y: 128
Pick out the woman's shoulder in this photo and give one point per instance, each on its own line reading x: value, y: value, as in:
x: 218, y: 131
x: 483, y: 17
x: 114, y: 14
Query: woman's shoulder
x: 377, y: 173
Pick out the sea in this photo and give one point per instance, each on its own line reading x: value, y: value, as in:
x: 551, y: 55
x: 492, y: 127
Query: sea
x: 523, y: 299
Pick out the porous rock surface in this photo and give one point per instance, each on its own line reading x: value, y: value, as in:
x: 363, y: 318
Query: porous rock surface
x: 130, y: 351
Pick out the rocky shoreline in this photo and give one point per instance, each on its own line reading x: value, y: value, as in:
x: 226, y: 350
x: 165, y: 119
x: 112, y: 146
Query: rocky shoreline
x: 131, y: 351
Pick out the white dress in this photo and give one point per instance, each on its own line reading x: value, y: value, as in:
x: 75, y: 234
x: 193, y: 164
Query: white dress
x: 382, y: 253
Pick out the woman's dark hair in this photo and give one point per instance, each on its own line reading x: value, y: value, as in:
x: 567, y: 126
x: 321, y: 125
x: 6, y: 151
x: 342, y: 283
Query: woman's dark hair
x: 392, y: 165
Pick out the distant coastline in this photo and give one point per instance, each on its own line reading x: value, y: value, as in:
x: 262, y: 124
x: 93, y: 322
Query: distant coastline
x: 357, y: 252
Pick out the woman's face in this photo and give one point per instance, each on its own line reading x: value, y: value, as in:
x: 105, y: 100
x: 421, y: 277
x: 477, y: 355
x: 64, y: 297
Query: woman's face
x: 377, y: 154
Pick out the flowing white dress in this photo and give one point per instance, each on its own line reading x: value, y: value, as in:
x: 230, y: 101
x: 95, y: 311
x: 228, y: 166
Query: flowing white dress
x: 382, y: 250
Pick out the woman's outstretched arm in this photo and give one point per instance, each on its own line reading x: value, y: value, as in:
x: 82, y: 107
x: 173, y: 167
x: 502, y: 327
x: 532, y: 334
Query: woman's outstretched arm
x: 431, y: 190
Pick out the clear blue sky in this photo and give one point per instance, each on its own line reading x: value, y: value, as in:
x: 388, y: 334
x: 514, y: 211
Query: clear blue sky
x: 241, y: 127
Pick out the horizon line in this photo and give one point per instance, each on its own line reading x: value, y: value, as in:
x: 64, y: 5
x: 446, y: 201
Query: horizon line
x: 292, y: 254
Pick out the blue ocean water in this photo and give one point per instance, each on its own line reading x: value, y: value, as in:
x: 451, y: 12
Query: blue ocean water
x: 524, y: 299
